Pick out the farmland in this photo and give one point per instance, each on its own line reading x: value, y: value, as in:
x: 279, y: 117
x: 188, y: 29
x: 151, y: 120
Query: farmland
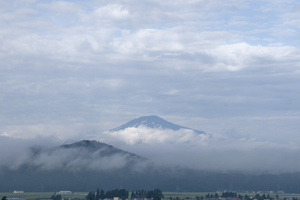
x: 82, y: 195
x: 42, y: 195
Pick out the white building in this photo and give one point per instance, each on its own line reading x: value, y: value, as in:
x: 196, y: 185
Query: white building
x: 18, y: 192
x: 64, y: 192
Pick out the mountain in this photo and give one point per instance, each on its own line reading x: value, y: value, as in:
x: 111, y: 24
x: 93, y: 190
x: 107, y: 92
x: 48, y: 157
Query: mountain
x: 79, y: 166
x: 87, y: 165
x: 101, y: 149
x: 82, y: 155
x: 152, y: 121
x: 75, y: 156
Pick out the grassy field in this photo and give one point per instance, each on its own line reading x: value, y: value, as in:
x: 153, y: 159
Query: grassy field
x: 202, y: 194
x: 36, y: 195
x: 184, y: 194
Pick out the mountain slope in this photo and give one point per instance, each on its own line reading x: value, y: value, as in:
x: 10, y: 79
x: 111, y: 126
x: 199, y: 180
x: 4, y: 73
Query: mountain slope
x: 152, y: 122
x: 102, y: 149
x: 83, y: 155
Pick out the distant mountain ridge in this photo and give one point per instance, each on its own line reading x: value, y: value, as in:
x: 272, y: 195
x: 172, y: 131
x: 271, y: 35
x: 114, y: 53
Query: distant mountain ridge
x: 152, y: 121
x: 82, y: 155
x: 103, y: 148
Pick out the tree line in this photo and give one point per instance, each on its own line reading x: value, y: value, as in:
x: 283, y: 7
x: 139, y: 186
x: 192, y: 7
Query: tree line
x: 152, y: 194
x: 123, y: 194
x: 236, y: 195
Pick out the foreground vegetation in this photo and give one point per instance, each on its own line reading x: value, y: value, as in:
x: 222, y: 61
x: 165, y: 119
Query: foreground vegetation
x: 144, y: 194
x: 229, y: 195
x: 42, y: 195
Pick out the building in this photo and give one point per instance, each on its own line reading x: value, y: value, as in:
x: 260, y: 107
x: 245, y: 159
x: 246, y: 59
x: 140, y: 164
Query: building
x: 64, y: 192
x: 18, y: 192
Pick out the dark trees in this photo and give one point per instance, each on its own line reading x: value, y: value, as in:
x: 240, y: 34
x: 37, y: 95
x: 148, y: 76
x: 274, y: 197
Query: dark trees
x: 100, y: 194
x: 157, y: 194
x: 91, y: 196
x: 124, y: 194
x: 56, y: 197
x: 229, y: 194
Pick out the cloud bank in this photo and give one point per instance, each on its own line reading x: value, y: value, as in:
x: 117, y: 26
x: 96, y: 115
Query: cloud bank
x: 162, y: 148
x: 47, y: 154
x: 212, y: 152
x: 145, y: 135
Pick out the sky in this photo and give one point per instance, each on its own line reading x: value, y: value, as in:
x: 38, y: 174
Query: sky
x: 74, y: 69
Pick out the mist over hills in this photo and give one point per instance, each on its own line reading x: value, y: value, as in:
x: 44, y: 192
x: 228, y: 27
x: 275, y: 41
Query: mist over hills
x: 79, y: 167
x: 170, y: 145
x: 191, y: 162
x: 82, y: 155
x: 100, y: 148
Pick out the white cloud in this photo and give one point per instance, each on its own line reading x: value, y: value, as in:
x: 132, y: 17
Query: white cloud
x: 15, y: 152
x: 61, y: 7
x: 235, y: 57
x: 163, y: 147
x: 172, y: 92
x: 96, y: 64
x: 113, y: 11
x: 46, y: 153
x: 82, y: 40
x: 228, y: 152
x: 141, y: 135
x: 76, y: 159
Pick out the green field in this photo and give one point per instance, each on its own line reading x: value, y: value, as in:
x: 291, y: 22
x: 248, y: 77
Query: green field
x: 202, y: 194
x: 36, y: 195
x: 184, y: 194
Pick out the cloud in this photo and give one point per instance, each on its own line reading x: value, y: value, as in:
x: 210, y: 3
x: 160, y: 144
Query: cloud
x: 230, y: 152
x: 77, y: 159
x: 47, y: 154
x: 112, y: 11
x: 145, y: 135
x: 62, y: 132
x: 74, y: 69
x: 226, y: 151
x: 15, y: 152
x: 162, y: 148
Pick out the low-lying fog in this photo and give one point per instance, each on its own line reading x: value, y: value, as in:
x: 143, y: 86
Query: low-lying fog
x: 164, y: 148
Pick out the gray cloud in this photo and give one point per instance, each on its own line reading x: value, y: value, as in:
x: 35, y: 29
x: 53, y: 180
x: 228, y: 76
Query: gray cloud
x: 230, y: 152
x: 15, y: 152
x: 74, y: 69
x: 47, y: 154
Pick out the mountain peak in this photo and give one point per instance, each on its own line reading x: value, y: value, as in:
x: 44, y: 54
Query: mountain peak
x: 102, y: 148
x: 91, y: 144
x: 152, y: 121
